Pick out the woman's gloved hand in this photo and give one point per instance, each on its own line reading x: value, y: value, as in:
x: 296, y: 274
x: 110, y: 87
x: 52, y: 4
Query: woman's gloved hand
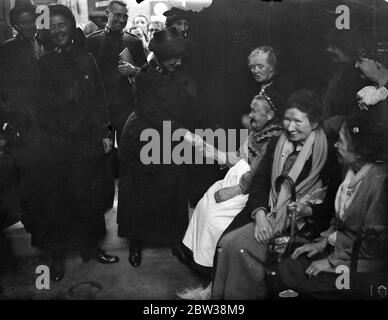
x: 213, y: 153
x: 194, y: 139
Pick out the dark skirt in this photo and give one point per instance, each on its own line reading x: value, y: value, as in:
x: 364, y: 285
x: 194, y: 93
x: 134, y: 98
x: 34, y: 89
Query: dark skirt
x: 153, y: 200
x: 64, y: 203
x: 292, y: 274
x: 153, y: 207
x: 240, y: 271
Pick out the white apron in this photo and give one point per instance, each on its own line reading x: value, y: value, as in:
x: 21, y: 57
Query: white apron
x: 210, y: 219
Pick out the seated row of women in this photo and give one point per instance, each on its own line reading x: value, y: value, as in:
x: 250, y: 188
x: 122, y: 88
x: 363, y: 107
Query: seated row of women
x: 243, y: 220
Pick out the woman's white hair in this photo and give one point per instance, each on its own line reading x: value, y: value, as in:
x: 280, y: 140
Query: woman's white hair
x: 267, y: 104
x: 272, y: 58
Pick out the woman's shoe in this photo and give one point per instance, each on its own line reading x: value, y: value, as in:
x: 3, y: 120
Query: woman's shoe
x: 57, y: 268
x: 183, y: 254
x: 99, y: 255
x: 134, y: 253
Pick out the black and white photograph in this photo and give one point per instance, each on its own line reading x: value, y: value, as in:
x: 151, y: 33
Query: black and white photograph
x: 194, y: 152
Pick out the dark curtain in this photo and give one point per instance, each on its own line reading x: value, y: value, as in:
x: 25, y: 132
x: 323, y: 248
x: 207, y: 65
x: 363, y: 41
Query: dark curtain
x: 229, y: 29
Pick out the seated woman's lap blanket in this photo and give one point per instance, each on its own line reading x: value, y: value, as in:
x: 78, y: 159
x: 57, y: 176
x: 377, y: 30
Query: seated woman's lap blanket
x: 210, y: 218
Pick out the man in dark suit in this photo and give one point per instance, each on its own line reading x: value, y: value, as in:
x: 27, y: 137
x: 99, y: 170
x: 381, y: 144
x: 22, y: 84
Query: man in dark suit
x: 117, y: 67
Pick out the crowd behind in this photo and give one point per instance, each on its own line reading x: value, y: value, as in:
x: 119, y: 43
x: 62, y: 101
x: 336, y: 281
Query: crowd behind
x: 304, y: 194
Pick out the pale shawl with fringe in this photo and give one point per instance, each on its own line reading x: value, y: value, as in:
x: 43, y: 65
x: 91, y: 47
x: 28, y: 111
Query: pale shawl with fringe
x: 316, y: 146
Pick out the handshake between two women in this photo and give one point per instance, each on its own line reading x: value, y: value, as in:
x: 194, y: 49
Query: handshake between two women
x: 208, y: 150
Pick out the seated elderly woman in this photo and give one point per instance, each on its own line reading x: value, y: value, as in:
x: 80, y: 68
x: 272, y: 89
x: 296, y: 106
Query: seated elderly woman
x: 301, y: 153
x: 359, y: 207
x: 227, y: 197
x: 263, y: 65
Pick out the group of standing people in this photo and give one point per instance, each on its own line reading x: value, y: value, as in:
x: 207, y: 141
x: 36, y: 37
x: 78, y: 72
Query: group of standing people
x: 242, y: 240
x: 65, y: 102
x: 68, y: 106
x: 63, y: 132
x: 145, y: 29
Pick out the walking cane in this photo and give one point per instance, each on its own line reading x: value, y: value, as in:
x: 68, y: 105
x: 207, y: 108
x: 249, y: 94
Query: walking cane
x: 278, y: 183
x: 274, y: 258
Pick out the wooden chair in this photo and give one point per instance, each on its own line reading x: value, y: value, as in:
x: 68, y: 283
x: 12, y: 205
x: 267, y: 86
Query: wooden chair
x: 372, y: 285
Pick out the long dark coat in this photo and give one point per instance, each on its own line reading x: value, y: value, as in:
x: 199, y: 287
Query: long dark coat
x: 153, y: 204
x: 62, y: 165
x: 340, y: 98
x: 17, y: 69
x: 17, y: 66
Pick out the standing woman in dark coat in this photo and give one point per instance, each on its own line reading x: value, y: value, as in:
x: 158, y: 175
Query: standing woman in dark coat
x: 153, y: 204
x: 70, y: 123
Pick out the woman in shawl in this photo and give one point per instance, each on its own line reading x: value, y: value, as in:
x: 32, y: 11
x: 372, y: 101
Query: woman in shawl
x: 227, y: 197
x: 360, y: 206
x: 301, y: 153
